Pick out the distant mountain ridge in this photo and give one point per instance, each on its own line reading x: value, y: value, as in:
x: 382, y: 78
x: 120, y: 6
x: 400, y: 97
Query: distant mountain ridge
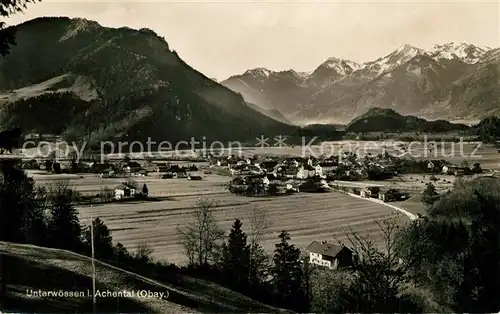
x: 95, y: 83
x: 410, y: 80
x: 388, y: 120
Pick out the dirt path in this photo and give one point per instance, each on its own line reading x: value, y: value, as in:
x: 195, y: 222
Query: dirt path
x: 405, y: 212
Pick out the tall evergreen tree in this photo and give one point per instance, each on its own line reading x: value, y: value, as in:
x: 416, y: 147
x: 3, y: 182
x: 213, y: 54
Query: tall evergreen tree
x: 478, y: 291
x: 287, y: 274
x: 259, y: 261
x: 64, y: 227
x: 21, y: 216
x: 235, y: 256
x: 259, y: 266
x: 103, y: 241
x: 430, y: 195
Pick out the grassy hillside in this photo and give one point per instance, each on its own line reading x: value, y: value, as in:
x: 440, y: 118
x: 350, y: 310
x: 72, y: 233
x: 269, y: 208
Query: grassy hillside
x: 31, y: 267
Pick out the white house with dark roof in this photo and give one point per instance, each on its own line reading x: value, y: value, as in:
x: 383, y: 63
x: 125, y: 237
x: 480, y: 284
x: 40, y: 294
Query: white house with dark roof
x: 330, y: 255
x: 195, y: 176
x: 124, y: 190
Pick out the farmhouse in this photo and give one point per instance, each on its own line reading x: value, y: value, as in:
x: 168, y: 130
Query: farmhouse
x: 330, y: 255
x: 180, y: 173
x: 371, y: 191
x: 250, y: 185
x: 366, y: 192
x: 305, y: 172
x: 315, y: 185
x: 268, y: 166
x: 132, y: 166
x: 167, y: 175
x: 194, y: 176
x: 328, y: 166
x: 140, y: 173
x: 291, y: 161
x: 124, y: 191
x: 108, y: 173
x: 246, y: 169
x: 162, y: 167
x: 174, y: 172
x: 392, y: 195
x: 286, y: 171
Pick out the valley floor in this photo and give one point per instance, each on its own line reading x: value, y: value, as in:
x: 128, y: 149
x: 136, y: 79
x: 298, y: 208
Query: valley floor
x: 307, y: 216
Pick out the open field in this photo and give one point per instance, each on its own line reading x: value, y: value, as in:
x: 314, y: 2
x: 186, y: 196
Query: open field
x: 415, y: 183
x: 32, y: 267
x: 413, y: 205
x: 306, y: 216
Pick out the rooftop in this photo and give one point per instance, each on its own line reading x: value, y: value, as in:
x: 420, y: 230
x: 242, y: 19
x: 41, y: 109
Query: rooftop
x: 325, y: 248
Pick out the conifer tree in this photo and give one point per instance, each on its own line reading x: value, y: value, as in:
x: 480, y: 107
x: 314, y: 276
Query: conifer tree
x: 103, y: 241
x: 235, y: 255
x: 287, y: 273
x: 64, y: 228
x: 430, y: 195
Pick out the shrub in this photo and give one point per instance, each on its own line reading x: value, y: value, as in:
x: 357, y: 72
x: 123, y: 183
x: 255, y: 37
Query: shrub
x: 106, y: 194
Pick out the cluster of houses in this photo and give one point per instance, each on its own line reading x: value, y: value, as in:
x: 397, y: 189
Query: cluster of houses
x: 381, y: 193
x: 273, y: 176
x: 168, y: 171
x: 254, y: 176
x: 286, y: 168
x: 129, y: 168
x: 163, y: 170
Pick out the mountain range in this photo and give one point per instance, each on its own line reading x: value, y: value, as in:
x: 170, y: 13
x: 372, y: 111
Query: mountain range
x: 86, y: 82
x: 81, y: 80
x: 452, y: 81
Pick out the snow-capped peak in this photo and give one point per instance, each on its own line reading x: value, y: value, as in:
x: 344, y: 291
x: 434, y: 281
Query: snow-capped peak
x: 303, y: 74
x: 399, y: 56
x: 463, y: 51
x: 341, y: 66
x: 258, y: 72
x: 402, y: 55
x: 300, y: 75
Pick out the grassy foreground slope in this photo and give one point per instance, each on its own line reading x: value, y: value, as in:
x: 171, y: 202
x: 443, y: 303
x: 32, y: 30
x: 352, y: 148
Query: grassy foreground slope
x: 31, y: 267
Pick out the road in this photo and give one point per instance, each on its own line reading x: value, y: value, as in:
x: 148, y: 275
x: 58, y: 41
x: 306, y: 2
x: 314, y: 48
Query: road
x: 399, y: 209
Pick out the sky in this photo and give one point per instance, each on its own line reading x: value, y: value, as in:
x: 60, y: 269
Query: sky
x: 224, y: 38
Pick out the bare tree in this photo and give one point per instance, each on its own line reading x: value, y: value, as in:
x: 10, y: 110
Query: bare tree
x: 259, y: 261
x: 131, y: 182
x: 144, y: 252
x: 258, y: 223
x: 106, y: 194
x: 378, y: 273
x: 201, y: 237
x: 64, y: 188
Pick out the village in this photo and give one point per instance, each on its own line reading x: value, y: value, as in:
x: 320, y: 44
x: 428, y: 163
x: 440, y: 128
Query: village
x: 378, y: 178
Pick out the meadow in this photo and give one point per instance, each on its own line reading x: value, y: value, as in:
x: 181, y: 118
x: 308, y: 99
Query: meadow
x: 306, y: 216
